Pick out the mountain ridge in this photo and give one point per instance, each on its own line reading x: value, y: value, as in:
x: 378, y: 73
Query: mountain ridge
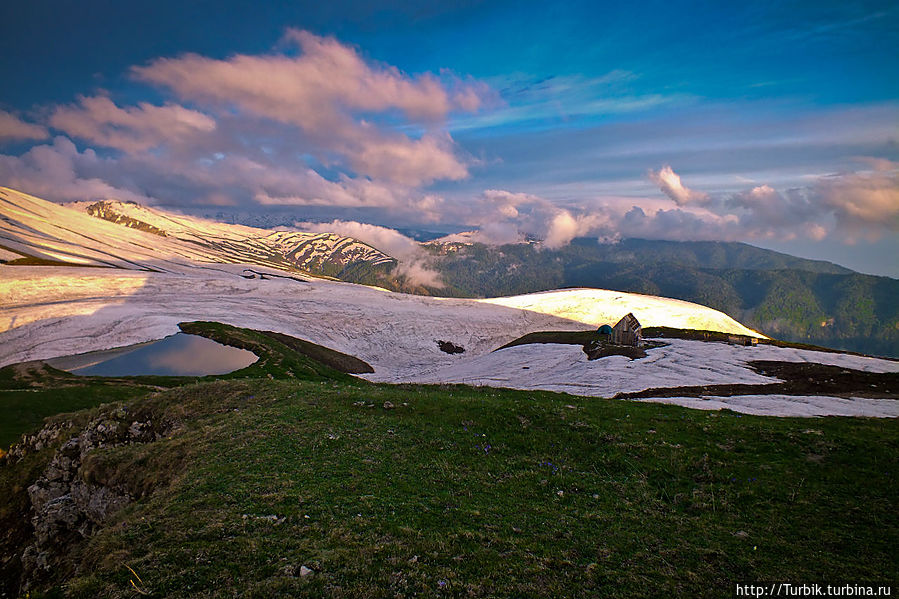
x: 111, y: 233
x: 792, y: 298
x: 719, y: 255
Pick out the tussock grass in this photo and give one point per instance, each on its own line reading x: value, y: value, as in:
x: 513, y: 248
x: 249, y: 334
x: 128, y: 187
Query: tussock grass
x: 471, y: 492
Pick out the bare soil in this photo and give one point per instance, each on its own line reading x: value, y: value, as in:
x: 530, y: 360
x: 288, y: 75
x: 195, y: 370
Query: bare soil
x: 797, y: 378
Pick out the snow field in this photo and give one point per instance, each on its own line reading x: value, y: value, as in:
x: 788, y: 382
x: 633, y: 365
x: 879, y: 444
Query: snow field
x: 48, y: 312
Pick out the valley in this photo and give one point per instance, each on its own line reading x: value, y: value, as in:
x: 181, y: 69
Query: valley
x: 789, y: 298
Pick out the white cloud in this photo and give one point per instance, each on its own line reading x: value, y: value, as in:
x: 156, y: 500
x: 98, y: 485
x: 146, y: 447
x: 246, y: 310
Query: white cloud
x: 410, y: 255
x: 12, y: 127
x: 97, y: 119
x: 564, y: 227
x: 57, y: 172
x: 865, y: 204
x: 326, y: 91
x: 847, y: 205
x: 318, y: 127
x: 670, y: 184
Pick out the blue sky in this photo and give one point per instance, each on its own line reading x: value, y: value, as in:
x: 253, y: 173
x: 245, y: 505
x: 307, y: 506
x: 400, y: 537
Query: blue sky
x: 771, y: 123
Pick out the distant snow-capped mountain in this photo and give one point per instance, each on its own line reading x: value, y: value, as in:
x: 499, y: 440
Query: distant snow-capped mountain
x: 128, y: 235
x: 311, y: 252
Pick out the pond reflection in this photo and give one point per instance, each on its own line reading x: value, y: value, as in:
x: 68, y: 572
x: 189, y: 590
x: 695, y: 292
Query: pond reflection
x: 178, y: 355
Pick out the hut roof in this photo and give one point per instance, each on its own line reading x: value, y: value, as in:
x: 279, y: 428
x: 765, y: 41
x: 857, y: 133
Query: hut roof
x: 628, y: 322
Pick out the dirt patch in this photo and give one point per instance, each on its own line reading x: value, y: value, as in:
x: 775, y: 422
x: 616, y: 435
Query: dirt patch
x: 607, y: 349
x: 695, y: 335
x: 798, y: 378
x: 267, y: 275
x: 604, y: 349
x: 450, y: 347
x: 595, y: 345
x: 582, y: 338
x: 28, y: 260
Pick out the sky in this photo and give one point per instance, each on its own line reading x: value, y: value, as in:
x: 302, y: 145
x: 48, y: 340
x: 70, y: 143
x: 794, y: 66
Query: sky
x: 771, y: 123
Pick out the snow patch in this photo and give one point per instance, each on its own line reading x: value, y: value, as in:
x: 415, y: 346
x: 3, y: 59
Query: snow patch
x: 789, y: 405
x: 603, y: 306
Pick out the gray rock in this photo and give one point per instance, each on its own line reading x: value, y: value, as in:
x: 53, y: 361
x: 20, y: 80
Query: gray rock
x: 98, y: 503
x: 65, y: 508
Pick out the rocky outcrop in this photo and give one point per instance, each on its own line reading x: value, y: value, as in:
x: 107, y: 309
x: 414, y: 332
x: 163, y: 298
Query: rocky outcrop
x: 75, y: 496
x: 35, y: 443
x: 106, y: 210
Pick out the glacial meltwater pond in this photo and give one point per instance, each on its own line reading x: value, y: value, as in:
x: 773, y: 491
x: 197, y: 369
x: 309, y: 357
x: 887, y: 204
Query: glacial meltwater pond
x: 178, y: 355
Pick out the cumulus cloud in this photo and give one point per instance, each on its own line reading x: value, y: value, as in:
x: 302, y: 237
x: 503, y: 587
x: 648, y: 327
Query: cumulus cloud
x: 325, y: 91
x: 12, y: 127
x: 495, y: 233
x: 675, y: 224
x: 271, y: 184
x: 670, y: 184
x: 507, y: 217
x: 97, y: 119
x: 863, y: 203
x: 410, y: 255
x: 763, y: 212
x: 409, y: 162
x: 314, y: 124
x: 501, y: 216
x: 847, y: 205
x: 564, y: 227
x: 58, y: 172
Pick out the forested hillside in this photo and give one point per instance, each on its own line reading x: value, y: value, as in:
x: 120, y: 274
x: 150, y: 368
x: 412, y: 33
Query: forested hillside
x: 784, y: 296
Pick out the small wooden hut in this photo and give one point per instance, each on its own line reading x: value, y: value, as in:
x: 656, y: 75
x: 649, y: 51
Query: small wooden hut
x: 742, y: 340
x: 628, y: 331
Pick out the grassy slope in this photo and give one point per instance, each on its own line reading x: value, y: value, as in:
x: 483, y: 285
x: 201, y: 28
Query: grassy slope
x: 478, y: 492
x: 279, y: 354
x: 485, y: 493
x: 30, y: 394
x: 25, y: 409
